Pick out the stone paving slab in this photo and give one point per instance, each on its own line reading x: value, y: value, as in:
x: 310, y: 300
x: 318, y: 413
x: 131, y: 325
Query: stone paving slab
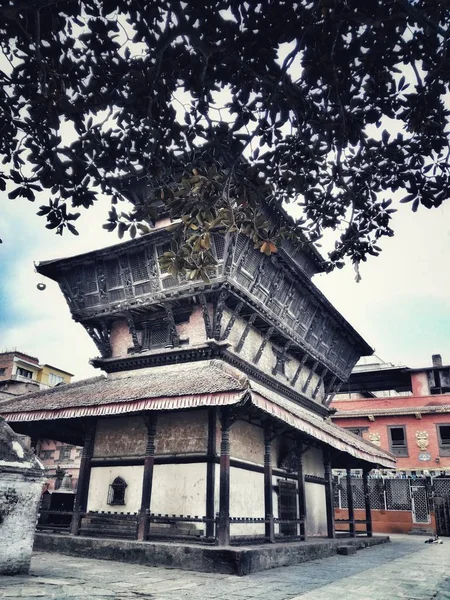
x: 404, y: 569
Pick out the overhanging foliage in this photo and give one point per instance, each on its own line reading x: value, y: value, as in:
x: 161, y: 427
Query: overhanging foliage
x: 217, y: 108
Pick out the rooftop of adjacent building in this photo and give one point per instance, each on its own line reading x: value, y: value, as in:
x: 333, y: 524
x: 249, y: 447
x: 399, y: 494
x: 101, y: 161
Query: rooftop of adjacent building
x: 12, y: 355
x: 374, y: 378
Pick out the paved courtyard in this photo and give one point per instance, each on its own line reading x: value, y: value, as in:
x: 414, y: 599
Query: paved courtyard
x: 405, y: 568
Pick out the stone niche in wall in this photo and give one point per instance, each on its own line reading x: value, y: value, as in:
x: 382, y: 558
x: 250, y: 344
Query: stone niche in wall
x: 22, y: 476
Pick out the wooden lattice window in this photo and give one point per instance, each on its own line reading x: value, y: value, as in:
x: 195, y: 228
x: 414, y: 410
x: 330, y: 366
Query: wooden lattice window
x: 219, y: 245
x: 155, y: 334
x: 116, y: 492
x: 397, y: 440
x: 139, y: 267
x: 287, y: 506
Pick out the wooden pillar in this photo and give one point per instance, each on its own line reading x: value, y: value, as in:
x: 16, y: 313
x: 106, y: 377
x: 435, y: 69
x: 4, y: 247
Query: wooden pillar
x: 211, y: 471
x: 268, y: 485
x: 367, y: 502
x: 147, y: 479
x: 224, y: 492
x: 351, y: 510
x: 329, y: 499
x: 301, y: 494
x: 84, y: 476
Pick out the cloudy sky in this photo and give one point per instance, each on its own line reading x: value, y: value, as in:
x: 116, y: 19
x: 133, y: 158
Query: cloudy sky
x: 401, y: 306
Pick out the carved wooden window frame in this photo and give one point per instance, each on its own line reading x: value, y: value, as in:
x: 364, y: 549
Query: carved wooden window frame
x: 444, y: 448
x: 399, y: 450
x: 116, y: 492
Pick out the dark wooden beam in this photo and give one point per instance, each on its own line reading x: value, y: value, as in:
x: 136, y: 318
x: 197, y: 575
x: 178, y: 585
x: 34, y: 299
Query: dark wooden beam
x: 321, y: 378
x: 232, y: 320
x: 367, y: 502
x: 147, y: 479
x: 299, y: 369
x: 329, y: 498
x: 81, y: 496
x: 268, y: 484
x: 351, y: 508
x: 174, y: 338
x: 245, y: 332
x: 223, y: 528
x: 206, y: 317
x: 132, y: 329
x: 301, y: 494
x: 218, y: 314
x: 211, y: 471
x: 266, y: 338
x: 308, y: 379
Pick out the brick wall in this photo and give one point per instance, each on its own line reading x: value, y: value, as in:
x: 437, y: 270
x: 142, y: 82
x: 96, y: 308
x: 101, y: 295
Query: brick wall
x: 426, y: 423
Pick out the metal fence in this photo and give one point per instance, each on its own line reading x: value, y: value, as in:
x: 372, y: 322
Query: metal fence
x: 418, y: 495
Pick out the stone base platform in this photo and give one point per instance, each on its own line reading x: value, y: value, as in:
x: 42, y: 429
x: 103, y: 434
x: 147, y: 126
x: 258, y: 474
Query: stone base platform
x: 191, y: 557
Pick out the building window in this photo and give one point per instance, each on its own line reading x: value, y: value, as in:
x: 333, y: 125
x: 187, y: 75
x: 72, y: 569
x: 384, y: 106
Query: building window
x: 397, y: 440
x: 24, y: 373
x: 64, y: 452
x: 2, y: 371
x: 46, y: 454
x: 116, y: 493
x: 444, y: 439
x: 279, y: 366
x: 54, y: 379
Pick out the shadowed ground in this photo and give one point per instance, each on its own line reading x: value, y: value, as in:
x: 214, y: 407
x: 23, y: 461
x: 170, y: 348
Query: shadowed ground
x: 405, y: 568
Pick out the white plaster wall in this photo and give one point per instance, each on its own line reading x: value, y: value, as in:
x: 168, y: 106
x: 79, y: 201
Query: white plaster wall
x: 246, y: 500
x: 101, y: 479
x: 316, y: 512
x: 19, y: 501
x: 267, y: 361
x: 179, y: 489
x: 313, y: 462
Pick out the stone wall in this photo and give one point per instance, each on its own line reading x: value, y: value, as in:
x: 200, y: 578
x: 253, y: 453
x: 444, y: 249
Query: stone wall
x: 19, y: 501
x: 21, y: 481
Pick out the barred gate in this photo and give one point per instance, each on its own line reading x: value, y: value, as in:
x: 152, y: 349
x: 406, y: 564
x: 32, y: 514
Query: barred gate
x: 442, y: 505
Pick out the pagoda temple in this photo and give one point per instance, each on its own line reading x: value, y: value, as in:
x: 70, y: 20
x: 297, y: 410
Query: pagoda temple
x: 212, y: 419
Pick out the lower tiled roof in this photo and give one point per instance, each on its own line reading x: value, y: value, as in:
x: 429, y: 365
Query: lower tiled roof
x: 206, y: 383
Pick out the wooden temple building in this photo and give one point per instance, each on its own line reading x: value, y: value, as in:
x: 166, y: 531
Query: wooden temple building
x: 212, y: 422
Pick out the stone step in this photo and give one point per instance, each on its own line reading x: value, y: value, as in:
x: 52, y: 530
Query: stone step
x: 108, y: 533
x: 346, y: 550
x: 101, y: 526
x: 106, y: 521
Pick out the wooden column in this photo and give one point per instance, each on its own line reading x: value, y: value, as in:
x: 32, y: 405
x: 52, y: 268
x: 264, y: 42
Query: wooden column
x: 147, y: 479
x: 268, y: 486
x: 301, y: 494
x: 84, y: 476
x: 211, y: 471
x: 351, y: 510
x: 223, y: 534
x: 367, y: 502
x: 329, y: 499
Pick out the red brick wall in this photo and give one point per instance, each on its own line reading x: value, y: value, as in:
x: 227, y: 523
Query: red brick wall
x: 426, y: 423
x: 120, y: 338
x: 385, y: 521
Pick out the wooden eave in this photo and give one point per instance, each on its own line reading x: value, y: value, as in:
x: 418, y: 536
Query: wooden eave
x: 51, y: 268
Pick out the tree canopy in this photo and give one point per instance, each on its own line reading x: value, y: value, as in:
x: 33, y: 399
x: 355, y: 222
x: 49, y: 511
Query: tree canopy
x: 218, y: 108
